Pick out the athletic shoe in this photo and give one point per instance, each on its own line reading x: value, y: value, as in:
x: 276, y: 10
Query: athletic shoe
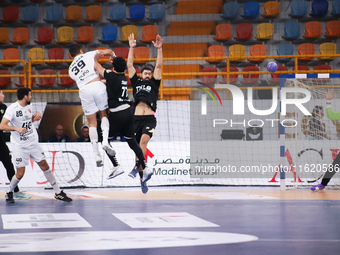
x: 145, y: 187
x: 146, y: 174
x: 9, y: 197
x: 99, y: 160
x: 62, y: 197
x: 318, y: 187
x: 21, y: 196
x: 115, y: 172
x: 109, y: 150
x: 134, y: 172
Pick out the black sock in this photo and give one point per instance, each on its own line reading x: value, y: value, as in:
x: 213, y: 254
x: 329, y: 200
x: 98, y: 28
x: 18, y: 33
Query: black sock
x: 113, y: 159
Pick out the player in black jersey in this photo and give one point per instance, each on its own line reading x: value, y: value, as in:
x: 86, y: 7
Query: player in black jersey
x: 5, y: 155
x: 145, y: 93
x: 121, y: 114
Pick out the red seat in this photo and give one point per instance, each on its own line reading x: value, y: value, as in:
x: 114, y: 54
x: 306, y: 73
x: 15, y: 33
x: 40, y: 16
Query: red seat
x: 250, y: 78
x: 276, y: 76
x: 122, y: 52
x: 232, y: 77
x: 5, y: 81
x: 47, y: 81
x: 22, y: 80
x: 45, y: 35
x: 244, y: 31
x: 56, y: 53
x: 209, y: 79
x: 10, y: 14
x: 65, y: 81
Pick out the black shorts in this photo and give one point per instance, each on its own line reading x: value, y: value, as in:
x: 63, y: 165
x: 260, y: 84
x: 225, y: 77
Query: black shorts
x: 145, y: 124
x: 121, y: 122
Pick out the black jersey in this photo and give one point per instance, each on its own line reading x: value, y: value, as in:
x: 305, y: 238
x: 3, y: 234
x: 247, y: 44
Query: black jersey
x: 3, y: 108
x: 116, y: 87
x: 145, y: 91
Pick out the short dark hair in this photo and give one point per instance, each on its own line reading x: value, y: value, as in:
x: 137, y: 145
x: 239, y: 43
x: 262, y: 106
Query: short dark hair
x: 22, y: 92
x: 74, y: 50
x: 119, y: 64
x: 148, y: 67
x: 317, y: 110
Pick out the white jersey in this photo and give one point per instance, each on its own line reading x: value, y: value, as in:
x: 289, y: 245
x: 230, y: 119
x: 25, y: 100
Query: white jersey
x: 19, y: 116
x: 82, y: 69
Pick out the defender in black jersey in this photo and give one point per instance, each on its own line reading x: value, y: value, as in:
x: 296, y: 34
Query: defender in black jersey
x: 121, y: 115
x: 145, y: 93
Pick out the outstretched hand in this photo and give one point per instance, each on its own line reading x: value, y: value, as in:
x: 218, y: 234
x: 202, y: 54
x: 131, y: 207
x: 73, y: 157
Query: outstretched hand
x: 132, y: 41
x: 329, y: 94
x: 159, y: 42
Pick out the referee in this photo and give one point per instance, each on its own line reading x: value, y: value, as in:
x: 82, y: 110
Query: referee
x: 5, y: 155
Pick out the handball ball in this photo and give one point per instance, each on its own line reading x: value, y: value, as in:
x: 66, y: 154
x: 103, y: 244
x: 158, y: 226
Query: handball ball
x: 272, y: 67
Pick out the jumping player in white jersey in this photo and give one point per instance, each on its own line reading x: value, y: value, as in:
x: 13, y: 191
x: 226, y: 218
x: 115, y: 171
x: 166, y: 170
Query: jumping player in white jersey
x: 92, y: 93
x: 19, y: 120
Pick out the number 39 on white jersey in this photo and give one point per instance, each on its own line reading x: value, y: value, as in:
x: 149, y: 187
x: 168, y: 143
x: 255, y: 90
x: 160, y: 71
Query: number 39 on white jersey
x: 82, y: 70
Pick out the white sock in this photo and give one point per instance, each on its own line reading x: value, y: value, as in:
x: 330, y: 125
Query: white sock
x: 105, y: 125
x: 51, y: 179
x: 14, y: 183
x: 94, y: 139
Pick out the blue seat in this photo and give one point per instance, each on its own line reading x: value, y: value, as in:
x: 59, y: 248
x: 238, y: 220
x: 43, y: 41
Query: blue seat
x: 109, y: 34
x: 298, y: 9
x: 319, y: 8
x: 231, y: 10
x: 117, y: 13
x: 336, y: 8
x: 54, y: 13
x: 30, y: 14
x: 156, y: 12
x: 284, y: 49
x: 251, y: 10
x: 137, y: 12
x: 292, y: 30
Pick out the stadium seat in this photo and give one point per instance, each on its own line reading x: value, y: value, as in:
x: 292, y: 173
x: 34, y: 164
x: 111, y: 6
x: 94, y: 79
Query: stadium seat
x: 209, y: 79
x: 231, y: 10
x: 319, y: 8
x: 233, y: 78
x: 10, y: 14
x: 47, y: 81
x: 333, y: 29
x: 81, y: 1
x: 37, y: 1
x: 127, y: 30
x: 292, y: 30
x: 141, y: 52
x: 117, y: 13
x: 22, y: 79
x: 9, y: 54
x: 250, y: 78
x: 30, y: 14
x: 264, y: 31
x: 137, y: 12
x: 122, y: 52
x: 236, y: 51
x: 73, y: 13
x: 284, y: 49
x: 327, y: 48
x: 109, y: 34
x: 45, y: 35
x: 4, y: 34
x: 156, y: 12
x: 322, y: 67
x: 224, y: 32
x: 275, y: 77
x: 61, y: 1
x: 85, y: 34
x: 5, y: 81
x: 149, y: 33
x: 65, y: 34
x: 104, y: 58
x: 335, y: 8
x: 93, y: 13
x: 20, y: 35
x: 56, y: 53
x: 17, y: 1
x: 215, y: 51
x: 306, y: 49
x: 36, y: 55
x: 313, y: 29
x: 257, y: 50
x: 54, y: 13
x: 251, y: 10
x: 302, y: 68
x: 298, y: 9
x: 271, y: 9
x: 244, y: 31
x: 65, y: 81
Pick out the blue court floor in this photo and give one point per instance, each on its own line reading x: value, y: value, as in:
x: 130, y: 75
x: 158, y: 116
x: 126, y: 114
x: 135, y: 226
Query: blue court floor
x: 173, y: 220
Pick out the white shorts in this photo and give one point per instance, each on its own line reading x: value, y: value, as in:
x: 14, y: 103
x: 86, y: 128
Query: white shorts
x: 21, y: 155
x: 93, y: 97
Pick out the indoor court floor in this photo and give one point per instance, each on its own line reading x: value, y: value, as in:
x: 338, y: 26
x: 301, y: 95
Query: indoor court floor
x: 173, y: 220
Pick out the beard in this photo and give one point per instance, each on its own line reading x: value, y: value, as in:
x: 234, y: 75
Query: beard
x: 28, y: 102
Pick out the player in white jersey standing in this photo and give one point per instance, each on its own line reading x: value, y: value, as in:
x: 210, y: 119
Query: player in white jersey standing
x: 19, y: 120
x: 92, y: 93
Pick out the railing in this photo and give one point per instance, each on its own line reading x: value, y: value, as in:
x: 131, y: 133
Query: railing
x: 28, y: 68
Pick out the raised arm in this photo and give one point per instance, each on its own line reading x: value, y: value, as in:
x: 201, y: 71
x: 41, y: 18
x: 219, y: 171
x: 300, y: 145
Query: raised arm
x: 158, y: 68
x: 129, y: 63
x: 103, y: 53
